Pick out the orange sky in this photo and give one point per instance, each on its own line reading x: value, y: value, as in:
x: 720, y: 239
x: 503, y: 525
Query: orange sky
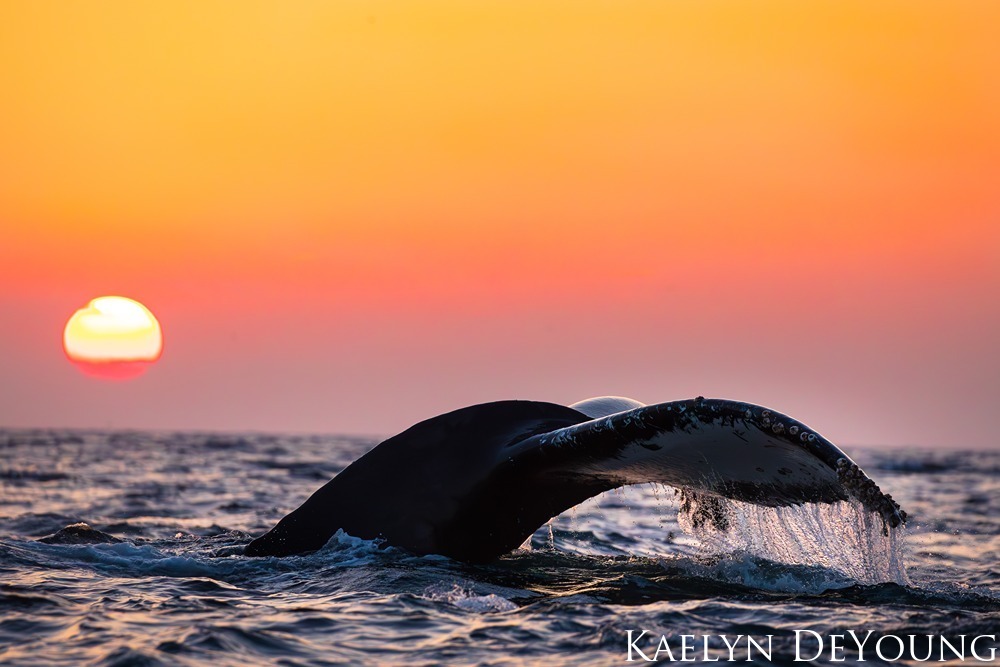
x: 350, y: 216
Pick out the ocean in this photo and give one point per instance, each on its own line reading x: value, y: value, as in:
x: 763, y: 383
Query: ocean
x: 174, y: 589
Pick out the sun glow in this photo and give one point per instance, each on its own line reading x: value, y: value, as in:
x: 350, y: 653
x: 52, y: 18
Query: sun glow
x: 113, y: 337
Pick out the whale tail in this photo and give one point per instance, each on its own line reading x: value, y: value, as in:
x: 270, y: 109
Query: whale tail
x: 473, y: 484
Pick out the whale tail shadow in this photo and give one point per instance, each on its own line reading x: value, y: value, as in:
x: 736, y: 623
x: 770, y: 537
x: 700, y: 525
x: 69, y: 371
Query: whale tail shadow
x: 473, y: 484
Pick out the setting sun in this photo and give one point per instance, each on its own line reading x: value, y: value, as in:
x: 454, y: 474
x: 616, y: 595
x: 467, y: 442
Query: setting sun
x: 113, y: 337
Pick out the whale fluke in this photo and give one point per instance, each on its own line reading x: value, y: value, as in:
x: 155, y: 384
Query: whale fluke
x: 602, y: 406
x: 473, y: 484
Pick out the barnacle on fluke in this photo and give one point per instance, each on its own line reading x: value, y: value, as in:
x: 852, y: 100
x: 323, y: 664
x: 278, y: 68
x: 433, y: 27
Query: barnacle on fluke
x: 868, y: 493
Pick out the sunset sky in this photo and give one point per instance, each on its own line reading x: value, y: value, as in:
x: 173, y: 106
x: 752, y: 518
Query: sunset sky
x: 349, y: 216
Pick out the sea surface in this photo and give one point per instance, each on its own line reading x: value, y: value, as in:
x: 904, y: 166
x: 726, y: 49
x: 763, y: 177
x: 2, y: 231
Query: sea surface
x: 175, y: 591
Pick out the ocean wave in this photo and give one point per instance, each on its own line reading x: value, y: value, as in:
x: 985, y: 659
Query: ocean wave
x: 177, y: 589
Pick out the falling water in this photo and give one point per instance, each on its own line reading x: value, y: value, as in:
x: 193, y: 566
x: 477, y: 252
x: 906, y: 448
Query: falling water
x: 841, y: 536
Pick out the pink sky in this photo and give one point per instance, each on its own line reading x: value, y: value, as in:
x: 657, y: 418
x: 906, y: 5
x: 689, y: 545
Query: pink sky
x: 349, y: 220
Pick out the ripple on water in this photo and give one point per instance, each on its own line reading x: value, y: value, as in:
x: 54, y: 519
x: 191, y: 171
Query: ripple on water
x: 177, y: 591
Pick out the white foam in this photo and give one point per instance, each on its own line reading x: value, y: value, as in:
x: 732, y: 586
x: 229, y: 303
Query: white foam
x: 135, y: 559
x: 469, y: 601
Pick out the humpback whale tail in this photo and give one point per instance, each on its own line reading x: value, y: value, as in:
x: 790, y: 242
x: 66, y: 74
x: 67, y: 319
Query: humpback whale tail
x: 473, y: 484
